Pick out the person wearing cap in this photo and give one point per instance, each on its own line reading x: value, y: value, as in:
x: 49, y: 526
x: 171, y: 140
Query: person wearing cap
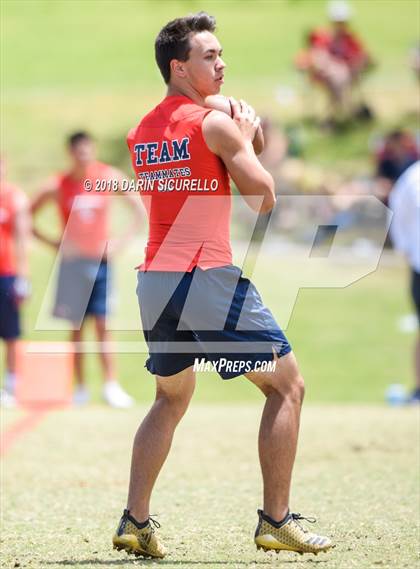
x: 335, y: 59
x: 344, y: 45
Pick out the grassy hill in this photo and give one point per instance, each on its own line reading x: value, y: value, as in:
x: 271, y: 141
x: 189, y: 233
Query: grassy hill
x: 90, y: 64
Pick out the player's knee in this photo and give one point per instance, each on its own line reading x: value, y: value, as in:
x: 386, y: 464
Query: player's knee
x: 76, y: 335
x: 298, y: 388
x: 100, y: 325
x: 295, y: 388
x: 176, y: 403
x: 291, y: 387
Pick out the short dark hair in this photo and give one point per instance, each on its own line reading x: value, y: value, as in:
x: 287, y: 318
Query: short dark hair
x: 77, y: 137
x: 173, y: 40
x: 396, y: 135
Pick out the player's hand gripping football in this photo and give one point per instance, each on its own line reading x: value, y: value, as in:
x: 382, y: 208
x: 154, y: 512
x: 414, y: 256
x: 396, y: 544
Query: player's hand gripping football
x: 245, y: 118
x: 228, y: 105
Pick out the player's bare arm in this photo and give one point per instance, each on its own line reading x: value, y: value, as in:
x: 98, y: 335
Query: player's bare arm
x: 226, y: 105
x: 133, y: 203
x: 48, y: 194
x: 231, y: 140
x: 22, y: 232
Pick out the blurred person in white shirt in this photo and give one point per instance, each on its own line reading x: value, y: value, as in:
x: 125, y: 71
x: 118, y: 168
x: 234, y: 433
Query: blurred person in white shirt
x: 405, y: 233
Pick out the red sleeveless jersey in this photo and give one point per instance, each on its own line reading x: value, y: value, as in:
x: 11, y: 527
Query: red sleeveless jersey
x: 184, y: 187
x: 8, y: 195
x: 84, y: 214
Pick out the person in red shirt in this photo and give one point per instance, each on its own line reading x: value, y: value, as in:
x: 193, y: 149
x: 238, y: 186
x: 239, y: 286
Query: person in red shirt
x: 14, y: 283
x: 344, y: 45
x: 85, y: 253
x: 195, y: 305
x: 336, y: 60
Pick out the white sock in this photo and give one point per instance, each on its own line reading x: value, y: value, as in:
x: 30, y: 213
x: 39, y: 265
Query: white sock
x: 10, y: 382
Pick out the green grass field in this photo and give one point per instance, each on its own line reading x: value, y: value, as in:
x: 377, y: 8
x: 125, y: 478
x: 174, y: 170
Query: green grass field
x: 346, y: 339
x: 90, y: 64
x: 65, y: 486
x: 94, y: 68
x: 70, y: 64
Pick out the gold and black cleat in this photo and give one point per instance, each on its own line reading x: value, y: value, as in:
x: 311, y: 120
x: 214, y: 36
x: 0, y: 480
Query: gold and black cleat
x: 288, y: 535
x: 138, y: 539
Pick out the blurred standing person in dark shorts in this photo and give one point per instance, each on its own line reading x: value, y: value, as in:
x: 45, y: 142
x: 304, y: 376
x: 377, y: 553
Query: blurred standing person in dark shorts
x: 84, y: 272
x: 14, y: 269
x: 405, y: 232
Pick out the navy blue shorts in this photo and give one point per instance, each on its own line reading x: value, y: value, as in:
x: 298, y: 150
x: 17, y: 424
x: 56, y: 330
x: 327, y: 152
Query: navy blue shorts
x: 415, y: 291
x: 81, y: 289
x: 215, y: 316
x: 9, y: 310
